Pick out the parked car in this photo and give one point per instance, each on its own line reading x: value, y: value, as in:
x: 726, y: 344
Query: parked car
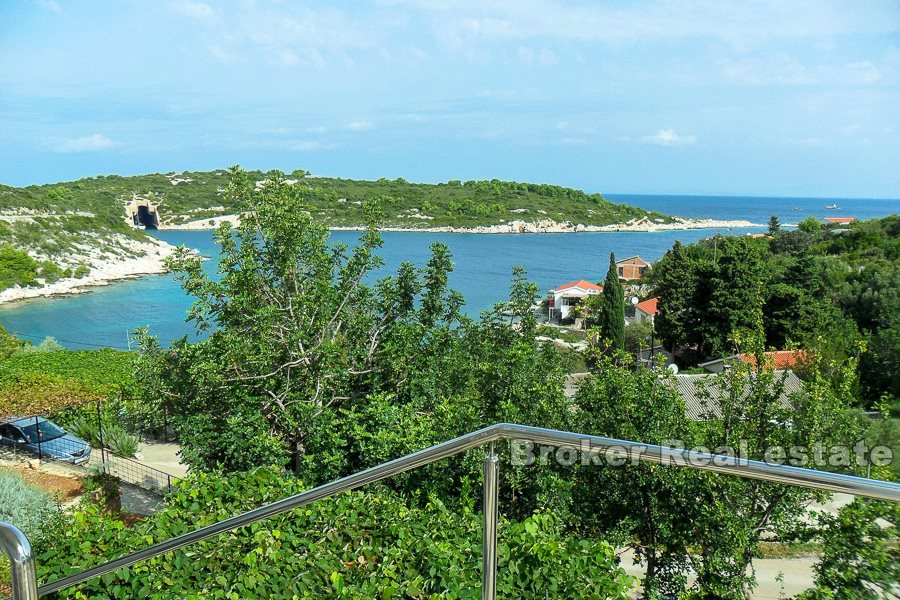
x: 45, y: 439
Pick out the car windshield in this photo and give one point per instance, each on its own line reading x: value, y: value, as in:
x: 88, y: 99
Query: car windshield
x: 43, y: 431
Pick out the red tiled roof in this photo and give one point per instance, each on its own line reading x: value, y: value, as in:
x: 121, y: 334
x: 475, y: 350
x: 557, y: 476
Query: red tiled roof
x: 633, y: 260
x: 648, y: 306
x: 581, y: 283
x: 778, y: 360
x: 841, y: 219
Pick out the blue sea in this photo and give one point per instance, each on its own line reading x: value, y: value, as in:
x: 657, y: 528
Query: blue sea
x: 483, y: 265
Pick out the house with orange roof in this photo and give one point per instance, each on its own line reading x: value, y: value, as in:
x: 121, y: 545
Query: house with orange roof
x: 564, y: 299
x: 645, y: 311
x: 632, y: 268
x: 780, y: 360
x: 841, y: 220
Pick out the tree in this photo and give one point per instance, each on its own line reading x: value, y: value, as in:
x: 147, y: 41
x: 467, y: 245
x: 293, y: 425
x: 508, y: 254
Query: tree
x: 612, y: 312
x: 774, y: 225
x: 644, y: 506
x: 291, y: 336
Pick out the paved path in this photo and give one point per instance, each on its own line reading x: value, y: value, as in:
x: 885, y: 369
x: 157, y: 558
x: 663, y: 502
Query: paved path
x: 797, y: 575
x: 163, y: 456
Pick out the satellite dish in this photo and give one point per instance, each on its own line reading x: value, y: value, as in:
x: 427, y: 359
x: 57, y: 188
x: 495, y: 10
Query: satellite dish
x: 674, y: 368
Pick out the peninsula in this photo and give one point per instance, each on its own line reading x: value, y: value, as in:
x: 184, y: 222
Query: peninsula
x: 59, y: 238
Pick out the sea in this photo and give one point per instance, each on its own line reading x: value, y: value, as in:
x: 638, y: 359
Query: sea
x: 106, y: 316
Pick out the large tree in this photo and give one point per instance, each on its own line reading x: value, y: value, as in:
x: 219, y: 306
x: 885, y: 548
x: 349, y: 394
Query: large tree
x: 612, y: 311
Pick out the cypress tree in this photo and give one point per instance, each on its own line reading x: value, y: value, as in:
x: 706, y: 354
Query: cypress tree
x: 612, y: 316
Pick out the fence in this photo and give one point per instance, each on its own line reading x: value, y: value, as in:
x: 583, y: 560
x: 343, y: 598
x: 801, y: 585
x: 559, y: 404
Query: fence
x: 33, y: 437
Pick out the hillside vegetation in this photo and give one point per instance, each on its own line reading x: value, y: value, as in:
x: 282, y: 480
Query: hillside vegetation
x: 97, y: 203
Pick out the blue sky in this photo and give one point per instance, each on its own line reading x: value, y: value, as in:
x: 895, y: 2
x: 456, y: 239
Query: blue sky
x: 765, y: 97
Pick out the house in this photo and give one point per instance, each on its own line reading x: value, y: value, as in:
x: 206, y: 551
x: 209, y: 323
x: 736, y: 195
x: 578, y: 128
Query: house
x: 778, y: 360
x: 632, y: 268
x: 645, y: 311
x: 840, y: 220
x: 703, y: 398
x: 566, y: 297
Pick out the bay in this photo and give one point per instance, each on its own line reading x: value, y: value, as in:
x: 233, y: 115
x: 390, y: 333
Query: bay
x: 483, y: 266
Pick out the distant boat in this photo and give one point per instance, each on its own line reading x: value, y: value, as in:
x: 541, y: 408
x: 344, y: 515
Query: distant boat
x: 796, y: 208
x: 832, y: 206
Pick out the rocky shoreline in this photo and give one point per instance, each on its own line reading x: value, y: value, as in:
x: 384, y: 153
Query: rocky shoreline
x: 148, y: 259
x: 518, y: 226
x: 149, y: 256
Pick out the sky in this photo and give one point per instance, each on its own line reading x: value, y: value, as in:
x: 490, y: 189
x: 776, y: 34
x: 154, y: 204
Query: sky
x: 747, y: 97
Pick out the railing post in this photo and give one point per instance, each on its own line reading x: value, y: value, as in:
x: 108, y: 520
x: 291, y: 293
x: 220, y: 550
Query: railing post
x: 489, y: 544
x: 21, y: 562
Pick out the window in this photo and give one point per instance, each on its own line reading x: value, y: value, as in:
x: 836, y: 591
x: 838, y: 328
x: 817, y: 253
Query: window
x: 621, y: 271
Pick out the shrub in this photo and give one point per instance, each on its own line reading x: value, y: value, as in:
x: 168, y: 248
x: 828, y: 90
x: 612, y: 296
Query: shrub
x: 356, y: 545
x: 120, y: 441
x: 22, y: 505
x: 115, y: 438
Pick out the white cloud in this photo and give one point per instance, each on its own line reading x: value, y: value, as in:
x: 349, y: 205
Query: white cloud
x: 668, y: 137
x: 736, y: 21
x: 359, y: 126
x: 195, y: 10
x: 51, y: 5
x: 89, y: 143
x: 781, y: 69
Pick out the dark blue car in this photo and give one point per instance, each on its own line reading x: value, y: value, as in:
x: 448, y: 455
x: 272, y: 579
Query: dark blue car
x: 44, y: 439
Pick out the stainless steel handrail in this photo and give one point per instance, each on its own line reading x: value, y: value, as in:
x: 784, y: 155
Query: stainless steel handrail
x: 832, y: 482
x: 21, y: 562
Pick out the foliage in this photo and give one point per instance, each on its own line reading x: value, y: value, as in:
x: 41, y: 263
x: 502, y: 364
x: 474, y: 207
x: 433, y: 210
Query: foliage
x: 9, y: 344
x: 106, y: 490
x: 612, y: 311
x: 819, y: 290
x: 48, y: 344
x: 115, y: 438
x: 860, y: 558
x: 309, y: 366
x: 356, y: 545
x: 679, y: 520
x: 638, y: 336
x: 24, y: 506
x: 16, y: 267
x: 63, y: 218
x: 48, y: 382
x: 34, y: 393
x: 643, y: 505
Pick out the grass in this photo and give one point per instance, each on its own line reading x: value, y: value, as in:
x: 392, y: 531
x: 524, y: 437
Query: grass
x: 788, y: 549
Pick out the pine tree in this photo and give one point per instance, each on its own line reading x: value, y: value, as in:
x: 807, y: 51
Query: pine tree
x: 612, y: 316
x: 774, y: 225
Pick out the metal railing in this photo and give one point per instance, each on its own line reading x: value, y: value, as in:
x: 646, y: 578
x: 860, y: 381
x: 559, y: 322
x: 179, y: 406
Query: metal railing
x: 24, y: 579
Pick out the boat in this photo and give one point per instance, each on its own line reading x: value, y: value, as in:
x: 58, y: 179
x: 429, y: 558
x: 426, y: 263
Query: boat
x: 796, y: 208
x: 832, y: 206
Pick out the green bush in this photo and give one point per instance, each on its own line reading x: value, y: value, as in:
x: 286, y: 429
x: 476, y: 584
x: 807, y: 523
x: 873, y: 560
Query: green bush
x: 22, y: 505
x: 121, y: 442
x: 356, y: 545
x: 115, y: 437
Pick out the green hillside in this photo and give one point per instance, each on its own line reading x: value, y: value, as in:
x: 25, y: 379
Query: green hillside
x: 198, y: 195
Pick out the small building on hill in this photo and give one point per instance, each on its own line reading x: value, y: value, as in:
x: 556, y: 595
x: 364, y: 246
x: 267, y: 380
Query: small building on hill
x: 632, y: 268
x: 644, y: 312
x: 840, y: 220
x: 566, y: 297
